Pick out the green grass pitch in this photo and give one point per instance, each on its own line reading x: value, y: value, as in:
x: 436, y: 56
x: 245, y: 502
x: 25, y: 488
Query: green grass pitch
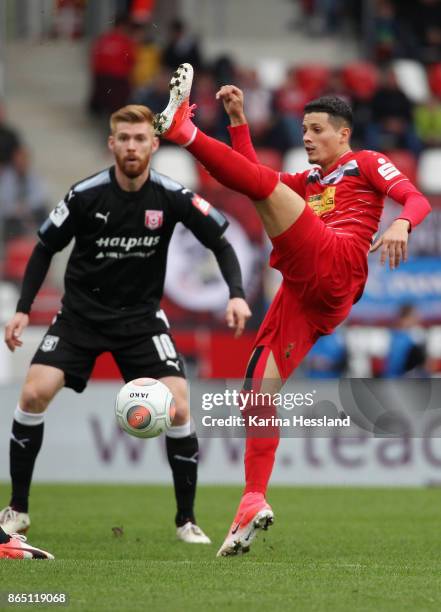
x: 333, y: 549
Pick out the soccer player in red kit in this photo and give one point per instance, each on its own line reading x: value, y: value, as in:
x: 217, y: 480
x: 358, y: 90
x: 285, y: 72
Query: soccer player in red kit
x: 321, y: 224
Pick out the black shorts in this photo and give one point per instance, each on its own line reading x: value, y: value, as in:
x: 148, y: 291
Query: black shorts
x: 144, y: 349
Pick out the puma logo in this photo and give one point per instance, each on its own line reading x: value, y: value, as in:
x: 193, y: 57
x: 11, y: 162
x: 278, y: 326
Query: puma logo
x: 192, y: 459
x: 101, y: 216
x: 21, y: 442
x: 175, y: 364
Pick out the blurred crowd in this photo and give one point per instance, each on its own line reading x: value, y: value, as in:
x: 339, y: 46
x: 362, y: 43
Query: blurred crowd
x: 129, y: 65
x: 401, y: 351
x: 23, y: 195
x: 407, y: 29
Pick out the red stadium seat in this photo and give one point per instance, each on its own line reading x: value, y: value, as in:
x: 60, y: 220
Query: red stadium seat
x: 361, y: 79
x: 405, y: 162
x: 313, y: 79
x: 435, y: 79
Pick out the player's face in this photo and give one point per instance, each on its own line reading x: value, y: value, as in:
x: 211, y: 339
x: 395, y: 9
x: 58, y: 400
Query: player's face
x: 324, y: 141
x: 132, y: 145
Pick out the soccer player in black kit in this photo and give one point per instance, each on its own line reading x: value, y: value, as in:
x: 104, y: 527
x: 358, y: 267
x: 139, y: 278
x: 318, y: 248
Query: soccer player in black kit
x: 122, y: 220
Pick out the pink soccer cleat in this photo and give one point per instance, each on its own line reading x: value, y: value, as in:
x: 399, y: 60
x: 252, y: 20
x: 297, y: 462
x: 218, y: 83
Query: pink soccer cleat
x: 18, y: 548
x: 174, y: 123
x: 253, y: 513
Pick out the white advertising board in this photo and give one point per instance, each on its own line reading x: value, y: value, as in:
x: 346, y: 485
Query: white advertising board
x: 82, y: 443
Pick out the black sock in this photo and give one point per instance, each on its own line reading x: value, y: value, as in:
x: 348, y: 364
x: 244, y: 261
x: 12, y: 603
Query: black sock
x: 183, y: 456
x: 4, y: 538
x: 23, y: 450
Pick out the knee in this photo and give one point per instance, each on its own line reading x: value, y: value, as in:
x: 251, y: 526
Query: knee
x: 182, y: 411
x: 34, y: 399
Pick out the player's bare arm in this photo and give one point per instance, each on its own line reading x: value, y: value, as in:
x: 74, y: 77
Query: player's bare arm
x: 237, y: 315
x: 393, y: 243
x: 232, y: 99
x: 14, y: 329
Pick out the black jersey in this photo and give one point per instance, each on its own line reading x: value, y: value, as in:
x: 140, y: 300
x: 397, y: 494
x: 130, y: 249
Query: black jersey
x: 118, y: 263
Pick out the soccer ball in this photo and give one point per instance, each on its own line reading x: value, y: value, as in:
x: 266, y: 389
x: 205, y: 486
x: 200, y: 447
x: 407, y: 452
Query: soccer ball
x: 145, y: 408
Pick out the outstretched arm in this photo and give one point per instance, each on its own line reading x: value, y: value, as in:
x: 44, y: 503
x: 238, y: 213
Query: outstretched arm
x: 394, y: 241
x: 232, y: 98
x: 237, y: 312
x: 34, y: 276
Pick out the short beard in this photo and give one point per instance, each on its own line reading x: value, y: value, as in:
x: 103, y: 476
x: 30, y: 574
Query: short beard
x: 131, y: 174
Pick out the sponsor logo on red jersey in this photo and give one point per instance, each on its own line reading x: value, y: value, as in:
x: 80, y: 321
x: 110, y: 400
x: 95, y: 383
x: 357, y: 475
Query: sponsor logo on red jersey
x: 322, y: 203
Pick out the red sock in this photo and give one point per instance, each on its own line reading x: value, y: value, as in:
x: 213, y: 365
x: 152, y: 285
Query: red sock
x: 260, y: 454
x: 233, y: 169
x: 262, y: 441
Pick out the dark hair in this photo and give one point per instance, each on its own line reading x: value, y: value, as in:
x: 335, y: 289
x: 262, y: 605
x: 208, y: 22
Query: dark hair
x: 334, y: 106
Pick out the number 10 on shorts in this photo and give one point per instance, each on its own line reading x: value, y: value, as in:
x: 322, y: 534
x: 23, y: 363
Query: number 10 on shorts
x: 165, y: 347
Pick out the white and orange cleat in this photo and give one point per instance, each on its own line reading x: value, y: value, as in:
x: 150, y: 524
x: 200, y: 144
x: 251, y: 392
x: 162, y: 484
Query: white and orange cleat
x: 254, y: 513
x: 174, y: 123
x: 18, y: 548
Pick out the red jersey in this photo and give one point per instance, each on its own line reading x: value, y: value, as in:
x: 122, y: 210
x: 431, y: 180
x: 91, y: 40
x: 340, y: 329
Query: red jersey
x: 349, y: 198
x: 113, y: 54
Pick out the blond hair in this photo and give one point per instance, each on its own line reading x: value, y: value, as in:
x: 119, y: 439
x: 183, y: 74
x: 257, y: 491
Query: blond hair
x: 132, y: 113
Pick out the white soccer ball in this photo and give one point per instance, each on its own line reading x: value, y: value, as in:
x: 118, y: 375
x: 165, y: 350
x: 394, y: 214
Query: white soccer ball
x: 145, y: 408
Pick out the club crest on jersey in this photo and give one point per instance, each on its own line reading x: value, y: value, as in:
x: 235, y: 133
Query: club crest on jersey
x: 153, y: 219
x: 322, y: 203
x: 201, y: 204
x: 49, y: 343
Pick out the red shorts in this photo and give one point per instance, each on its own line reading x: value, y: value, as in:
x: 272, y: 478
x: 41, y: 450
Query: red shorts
x: 323, y: 274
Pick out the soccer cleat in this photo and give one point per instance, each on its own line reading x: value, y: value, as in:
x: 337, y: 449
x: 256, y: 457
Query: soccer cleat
x: 174, y: 123
x: 192, y: 534
x: 17, y: 548
x: 12, y: 521
x: 253, y: 514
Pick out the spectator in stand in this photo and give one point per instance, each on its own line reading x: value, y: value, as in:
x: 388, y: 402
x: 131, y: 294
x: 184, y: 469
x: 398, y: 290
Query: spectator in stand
x: 336, y: 87
x: 322, y: 17
x: 23, y: 197
x: 205, y: 98
x: 224, y: 70
x: 420, y: 29
x: 156, y: 94
x: 391, y: 125
x: 9, y: 139
x: 68, y: 21
x: 386, y: 31
x: 181, y: 47
x: 113, y: 59
x: 148, y: 56
x: 407, y: 349
x: 428, y: 122
x: 427, y: 24
x: 288, y: 103
x: 328, y: 358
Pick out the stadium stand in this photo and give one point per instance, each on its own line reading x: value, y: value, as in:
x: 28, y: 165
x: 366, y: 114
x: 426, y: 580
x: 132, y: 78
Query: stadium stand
x: 283, y: 77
